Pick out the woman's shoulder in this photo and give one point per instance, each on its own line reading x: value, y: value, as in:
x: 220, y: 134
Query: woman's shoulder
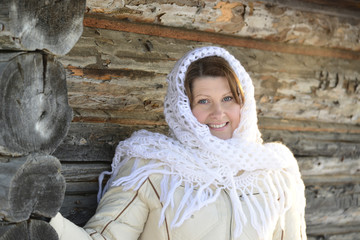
x: 136, y: 164
x: 290, y: 164
x: 130, y: 165
x: 279, y: 148
x: 282, y: 151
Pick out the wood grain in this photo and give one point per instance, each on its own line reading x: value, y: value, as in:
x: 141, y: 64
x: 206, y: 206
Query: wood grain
x: 30, y: 185
x: 31, y: 230
x: 184, y: 34
x: 53, y: 26
x: 34, y: 114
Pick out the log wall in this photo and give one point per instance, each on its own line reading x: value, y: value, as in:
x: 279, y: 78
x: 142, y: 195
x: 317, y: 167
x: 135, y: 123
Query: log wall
x: 304, y: 60
x: 34, y: 112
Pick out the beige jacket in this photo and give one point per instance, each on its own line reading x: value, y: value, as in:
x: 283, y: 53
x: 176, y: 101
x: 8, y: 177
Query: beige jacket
x: 132, y: 215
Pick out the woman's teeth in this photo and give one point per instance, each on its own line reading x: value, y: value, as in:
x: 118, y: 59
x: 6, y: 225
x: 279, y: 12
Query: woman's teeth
x: 217, y: 125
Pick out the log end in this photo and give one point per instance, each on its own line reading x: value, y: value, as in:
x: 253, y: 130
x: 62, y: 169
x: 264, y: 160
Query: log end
x: 35, y: 186
x: 35, y: 116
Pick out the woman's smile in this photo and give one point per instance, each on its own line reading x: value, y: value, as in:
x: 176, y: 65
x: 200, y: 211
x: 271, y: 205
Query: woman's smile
x: 214, y: 105
x: 218, y: 126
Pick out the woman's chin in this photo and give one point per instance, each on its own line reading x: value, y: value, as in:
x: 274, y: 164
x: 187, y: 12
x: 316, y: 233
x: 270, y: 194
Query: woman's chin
x: 222, y: 135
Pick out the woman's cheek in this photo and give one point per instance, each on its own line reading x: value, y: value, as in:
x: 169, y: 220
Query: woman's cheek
x: 199, y: 114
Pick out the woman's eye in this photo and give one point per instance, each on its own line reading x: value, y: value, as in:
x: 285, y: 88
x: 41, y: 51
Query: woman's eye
x: 202, y: 101
x: 228, y: 98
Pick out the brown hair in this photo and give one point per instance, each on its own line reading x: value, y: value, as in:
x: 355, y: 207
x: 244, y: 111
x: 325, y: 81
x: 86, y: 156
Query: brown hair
x: 213, y: 66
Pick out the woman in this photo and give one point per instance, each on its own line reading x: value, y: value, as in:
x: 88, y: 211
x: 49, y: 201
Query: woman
x: 212, y: 178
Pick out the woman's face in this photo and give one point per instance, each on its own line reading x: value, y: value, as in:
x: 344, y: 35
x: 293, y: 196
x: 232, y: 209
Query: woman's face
x: 214, y: 105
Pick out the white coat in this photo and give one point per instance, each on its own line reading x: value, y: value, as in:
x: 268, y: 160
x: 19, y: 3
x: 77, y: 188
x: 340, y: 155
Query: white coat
x: 132, y: 215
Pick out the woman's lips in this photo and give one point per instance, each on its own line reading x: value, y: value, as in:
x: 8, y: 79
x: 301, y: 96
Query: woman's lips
x: 218, y: 126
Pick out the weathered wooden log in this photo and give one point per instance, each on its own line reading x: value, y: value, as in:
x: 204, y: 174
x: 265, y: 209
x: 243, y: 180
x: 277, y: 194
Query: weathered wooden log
x: 34, y: 112
x: 340, y: 143
x: 41, y: 230
x: 30, y: 185
x: 128, y: 85
x: 79, y: 208
x: 11, y: 231
x: 333, y: 209
x: 54, y: 26
x: 29, y: 230
x: 274, y: 20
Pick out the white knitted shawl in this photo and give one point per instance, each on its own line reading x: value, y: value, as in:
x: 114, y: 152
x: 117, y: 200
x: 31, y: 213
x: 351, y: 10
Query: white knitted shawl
x: 205, y: 165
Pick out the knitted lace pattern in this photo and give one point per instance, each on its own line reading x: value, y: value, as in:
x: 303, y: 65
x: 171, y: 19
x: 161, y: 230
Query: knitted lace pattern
x: 205, y: 165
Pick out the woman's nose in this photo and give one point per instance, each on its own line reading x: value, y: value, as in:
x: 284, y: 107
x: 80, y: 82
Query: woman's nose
x: 217, y: 110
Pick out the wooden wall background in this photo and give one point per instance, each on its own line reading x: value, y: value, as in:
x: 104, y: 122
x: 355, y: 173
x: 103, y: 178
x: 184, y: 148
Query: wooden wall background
x: 304, y: 59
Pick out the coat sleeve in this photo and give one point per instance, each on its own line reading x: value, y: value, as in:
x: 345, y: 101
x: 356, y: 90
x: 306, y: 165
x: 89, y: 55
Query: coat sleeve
x: 292, y: 225
x: 294, y: 221
x: 120, y: 215
x: 292, y: 229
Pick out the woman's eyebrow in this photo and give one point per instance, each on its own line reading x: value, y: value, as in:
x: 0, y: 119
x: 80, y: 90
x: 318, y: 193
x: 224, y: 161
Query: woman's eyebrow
x: 229, y: 92
x: 201, y: 94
